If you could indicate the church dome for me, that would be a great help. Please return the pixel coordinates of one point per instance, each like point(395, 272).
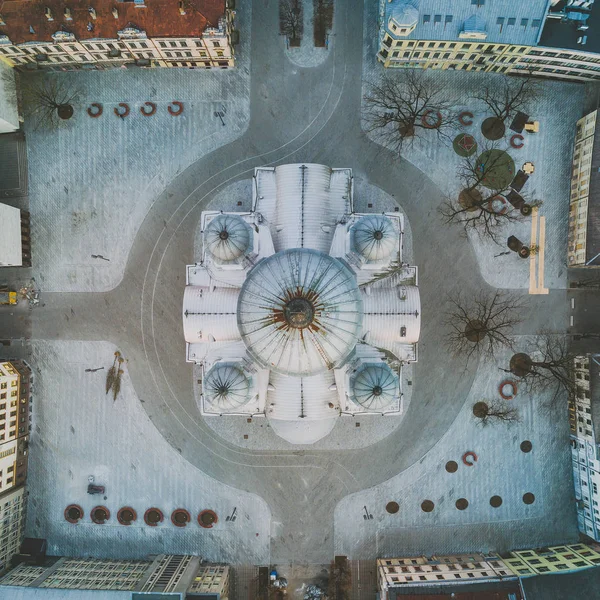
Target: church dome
point(227, 237)
point(226, 387)
point(374, 386)
point(300, 312)
point(374, 237)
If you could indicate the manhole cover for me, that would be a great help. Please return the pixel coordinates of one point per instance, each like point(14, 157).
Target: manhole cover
point(496, 501)
point(427, 506)
point(526, 446)
point(528, 498)
point(392, 507)
point(451, 466)
point(462, 503)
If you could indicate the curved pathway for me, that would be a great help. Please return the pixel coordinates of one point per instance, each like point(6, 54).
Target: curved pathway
point(310, 115)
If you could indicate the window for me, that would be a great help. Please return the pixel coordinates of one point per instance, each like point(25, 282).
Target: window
point(478, 2)
point(426, 18)
point(511, 20)
point(500, 21)
point(437, 18)
point(536, 22)
point(449, 18)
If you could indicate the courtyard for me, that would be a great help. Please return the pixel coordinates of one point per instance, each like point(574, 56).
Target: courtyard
point(133, 191)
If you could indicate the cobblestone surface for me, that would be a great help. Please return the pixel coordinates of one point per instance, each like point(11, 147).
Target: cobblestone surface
point(92, 181)
point(79, 431)
point(502, 469)
point(558, 109)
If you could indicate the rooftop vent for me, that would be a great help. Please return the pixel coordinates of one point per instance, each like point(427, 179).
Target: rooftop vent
point(48, 14)
point(115, 13)
point(92, 12)
point(68, 16)
point(181, 7)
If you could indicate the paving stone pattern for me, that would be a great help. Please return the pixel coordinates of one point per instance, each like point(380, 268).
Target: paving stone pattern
point(502, 469)
point(79, 431)
point(551, 150)
point(92, 181)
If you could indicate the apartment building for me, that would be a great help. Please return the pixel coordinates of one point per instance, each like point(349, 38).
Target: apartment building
point(584, 202)
point(13, 510)
point(182, 576)
point(57, 35)
point(548, 39)
point(422, 571)
point(555, 559)
point(584, 417)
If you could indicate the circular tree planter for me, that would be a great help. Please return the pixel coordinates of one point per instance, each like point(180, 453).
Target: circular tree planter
point(427, 506)
point(126, 515)
point(470, 199)
point(153, 516)
point(526, 209)
point(498, 205)
point(392, 507)
point(207, 518)
point(462, 503)
point(516, 141)
point(475, 331)
point(524, 252)
point(451, 466)
point(122, 110)
point(148, 109)
point(493, 128)
point(100, 514)
point(507, 389)
point(495, 501)
point(465, 118)
point(94, 110)
point(180, 517)
point(464, 145)
point(528, 498)
point(520, 364)
point(65, 111)
point(175, 108)
point(497, 169)
point(431, 119)
point(469, 458)
point(73, 513)
point(480, 410)
point(526, 446)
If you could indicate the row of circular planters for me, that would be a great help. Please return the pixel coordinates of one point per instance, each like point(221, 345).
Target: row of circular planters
point(153, 517)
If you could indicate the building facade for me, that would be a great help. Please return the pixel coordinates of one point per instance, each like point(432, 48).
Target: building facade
point(73, 35)
point(15, 248)
point(504, 36)
point(489, 574)
point(584, 201)
point(584, 418)
point(9, 114)
point(13, 510)
point(183, 576)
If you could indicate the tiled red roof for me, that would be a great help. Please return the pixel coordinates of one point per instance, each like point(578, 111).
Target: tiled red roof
point(160, 18)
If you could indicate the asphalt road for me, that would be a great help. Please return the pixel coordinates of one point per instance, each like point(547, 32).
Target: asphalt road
point(297, 115)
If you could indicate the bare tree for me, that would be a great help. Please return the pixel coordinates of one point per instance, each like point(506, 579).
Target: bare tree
point(404, 106)
point(506, 95)
point(322, 21)
point(478, 207)
point(494, 411)
point(550, 366)
point(48, 100)
point(481, 324)
point(290, 20)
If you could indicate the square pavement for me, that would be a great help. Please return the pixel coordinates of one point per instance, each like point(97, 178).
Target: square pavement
point(79, 431)
point(502, 469)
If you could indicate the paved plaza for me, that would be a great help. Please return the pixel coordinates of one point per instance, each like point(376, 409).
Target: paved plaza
point(133, 191)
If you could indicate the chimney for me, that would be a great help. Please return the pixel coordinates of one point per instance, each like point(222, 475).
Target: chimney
point(115, 13)
point(181, 8)
point(92, 12)
point(68, 16)
point(48, 14)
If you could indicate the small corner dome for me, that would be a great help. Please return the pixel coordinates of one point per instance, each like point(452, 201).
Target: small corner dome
point(374, 237)
point(404, 12)
point(227, 237)
point(226, 386)
point(374, 386)
point(474, 24)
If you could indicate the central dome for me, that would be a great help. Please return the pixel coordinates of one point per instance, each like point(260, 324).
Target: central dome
point(300, 312)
